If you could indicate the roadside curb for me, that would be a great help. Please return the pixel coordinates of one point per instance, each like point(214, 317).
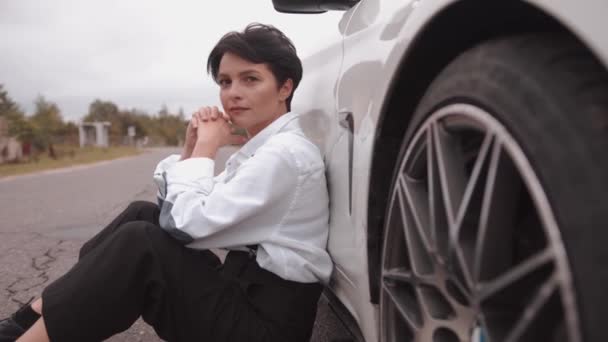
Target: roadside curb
point(67, 168)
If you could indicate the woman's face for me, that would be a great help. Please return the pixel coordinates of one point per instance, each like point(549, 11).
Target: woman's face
point(250, 94)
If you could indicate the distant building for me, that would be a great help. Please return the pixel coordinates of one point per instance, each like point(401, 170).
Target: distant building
point(10, 147)
point(95, 133)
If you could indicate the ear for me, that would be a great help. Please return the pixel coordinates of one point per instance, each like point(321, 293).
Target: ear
point(286, 89)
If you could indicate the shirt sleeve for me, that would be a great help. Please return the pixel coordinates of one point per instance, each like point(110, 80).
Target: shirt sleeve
point(235, 213)
point(159, 176)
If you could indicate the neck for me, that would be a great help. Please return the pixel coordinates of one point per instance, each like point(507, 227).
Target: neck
point(252, 131)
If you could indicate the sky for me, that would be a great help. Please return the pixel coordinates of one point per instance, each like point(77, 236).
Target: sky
point(136, 53)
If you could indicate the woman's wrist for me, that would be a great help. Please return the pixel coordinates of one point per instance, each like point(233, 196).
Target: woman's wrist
point(186, 152)
point(204, 149)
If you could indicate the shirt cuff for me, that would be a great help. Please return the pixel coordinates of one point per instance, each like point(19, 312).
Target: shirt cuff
point(166, 163)
point(192, 169)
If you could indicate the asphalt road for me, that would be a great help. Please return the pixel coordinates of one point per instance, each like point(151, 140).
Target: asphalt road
point(45, 217)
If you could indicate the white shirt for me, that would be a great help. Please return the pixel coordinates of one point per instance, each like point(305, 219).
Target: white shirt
point(272, 193)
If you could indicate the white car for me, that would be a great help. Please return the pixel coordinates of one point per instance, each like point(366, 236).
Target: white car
point(466, 145)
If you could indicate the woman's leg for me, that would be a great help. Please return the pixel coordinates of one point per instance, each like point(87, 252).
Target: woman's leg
point(26, 316)
point(105, 292)
point(37, 305)
point(142, 270)
point(137, 271)
point(37, 333)
point(135, 211)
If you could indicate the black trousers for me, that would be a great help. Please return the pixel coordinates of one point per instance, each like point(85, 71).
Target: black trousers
point(133, 268)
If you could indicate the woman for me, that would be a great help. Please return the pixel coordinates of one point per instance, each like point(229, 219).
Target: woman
point(269, 208)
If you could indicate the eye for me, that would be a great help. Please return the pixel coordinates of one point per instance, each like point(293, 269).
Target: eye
point(224, 82)
point(250, 79)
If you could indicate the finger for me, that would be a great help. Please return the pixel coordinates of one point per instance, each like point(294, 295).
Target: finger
point(226, 117)
point(214, 113)
point(205, 114)
point(194, 122)
point(200, 114)
point(208, 113)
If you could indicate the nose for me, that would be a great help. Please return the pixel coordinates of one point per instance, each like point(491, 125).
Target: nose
point(233, 92)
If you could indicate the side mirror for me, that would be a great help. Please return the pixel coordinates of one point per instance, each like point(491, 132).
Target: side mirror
point(312, 6)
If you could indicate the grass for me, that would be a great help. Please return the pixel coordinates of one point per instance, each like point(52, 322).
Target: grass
point(67, 156)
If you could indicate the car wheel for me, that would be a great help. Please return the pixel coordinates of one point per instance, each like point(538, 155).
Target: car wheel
point(496, 225)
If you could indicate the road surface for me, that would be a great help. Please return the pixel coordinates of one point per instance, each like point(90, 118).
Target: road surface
point(45, 217)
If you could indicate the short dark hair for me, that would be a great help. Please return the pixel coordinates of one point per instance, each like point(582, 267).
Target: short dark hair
point(264, 44)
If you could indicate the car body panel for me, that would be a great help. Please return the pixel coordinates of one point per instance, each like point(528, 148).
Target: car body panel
point(355, 75)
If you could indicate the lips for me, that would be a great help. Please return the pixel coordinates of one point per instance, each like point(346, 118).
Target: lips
point(237, 109)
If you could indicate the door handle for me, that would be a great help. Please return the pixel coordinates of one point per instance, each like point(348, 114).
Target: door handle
point(346, 121)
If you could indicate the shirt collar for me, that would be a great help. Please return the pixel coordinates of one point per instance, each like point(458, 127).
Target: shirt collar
point(259, 139)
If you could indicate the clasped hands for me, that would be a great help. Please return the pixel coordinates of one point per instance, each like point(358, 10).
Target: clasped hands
point(208, 130)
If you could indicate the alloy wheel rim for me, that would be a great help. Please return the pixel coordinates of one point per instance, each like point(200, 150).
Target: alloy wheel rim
point(473, 251)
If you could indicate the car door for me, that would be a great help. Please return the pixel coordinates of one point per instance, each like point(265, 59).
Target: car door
point(368, 40)
point(365, 50)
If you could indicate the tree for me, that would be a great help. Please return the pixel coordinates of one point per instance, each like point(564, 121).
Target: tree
point(6, 103)
point(108, 111)
point(47, 123)
point(171, 127)
point(164, 127)
point(164, 111)
point(142, 121)
point(47, 116)
point(18, 125)
point(102, 111)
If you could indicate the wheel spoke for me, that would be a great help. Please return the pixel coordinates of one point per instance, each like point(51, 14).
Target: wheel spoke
point(396, 254)
point(406, 304)
point(474, 178)
point(462, 264)
point(434, 304)
point(417, 251)
point(439, 225)
point(417, 205)
point(532, 309)
point(494, 238)
point(451, 171)
point(467, 220)
point(452, 181)
point(531, 264)
point(399, 275)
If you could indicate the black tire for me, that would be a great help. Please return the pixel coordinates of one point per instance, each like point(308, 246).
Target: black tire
point(551, 94)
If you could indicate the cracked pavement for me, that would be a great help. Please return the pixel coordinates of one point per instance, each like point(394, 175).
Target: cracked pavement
point(46, 217)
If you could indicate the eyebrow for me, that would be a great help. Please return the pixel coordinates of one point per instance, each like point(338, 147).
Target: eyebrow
point(248, 71)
